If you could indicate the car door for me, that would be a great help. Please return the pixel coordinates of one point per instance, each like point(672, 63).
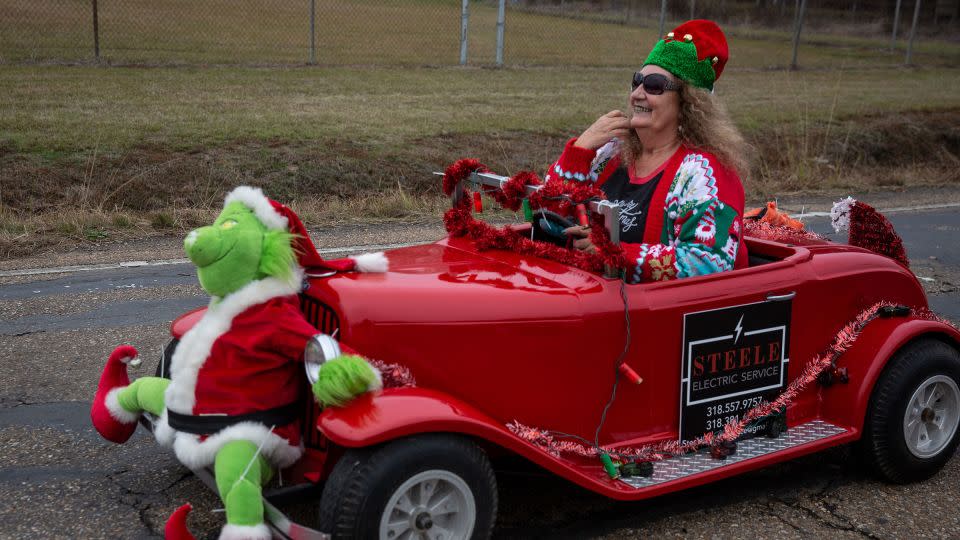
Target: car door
point(708, 349)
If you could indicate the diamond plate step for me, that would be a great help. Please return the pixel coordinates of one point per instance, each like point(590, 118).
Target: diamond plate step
point(699, 462)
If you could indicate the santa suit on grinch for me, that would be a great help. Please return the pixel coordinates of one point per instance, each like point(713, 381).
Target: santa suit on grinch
point(239, 361)
point(233, 398)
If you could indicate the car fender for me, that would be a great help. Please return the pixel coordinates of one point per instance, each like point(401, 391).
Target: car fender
point(185, 322)
point(395, 413)
point(846, 404)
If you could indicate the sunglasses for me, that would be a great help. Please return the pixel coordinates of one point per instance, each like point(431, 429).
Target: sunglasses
point(654, 84)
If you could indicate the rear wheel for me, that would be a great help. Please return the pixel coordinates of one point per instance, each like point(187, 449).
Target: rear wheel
point(438, 487)
point(911, 427)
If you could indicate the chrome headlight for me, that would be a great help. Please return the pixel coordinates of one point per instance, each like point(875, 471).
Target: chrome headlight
point(319, 349)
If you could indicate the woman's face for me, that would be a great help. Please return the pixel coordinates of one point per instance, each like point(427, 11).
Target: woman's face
point(655, 114)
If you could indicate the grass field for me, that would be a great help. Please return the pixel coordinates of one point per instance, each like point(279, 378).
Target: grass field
point(383, 32)
point(89, 152)
point(55, 111)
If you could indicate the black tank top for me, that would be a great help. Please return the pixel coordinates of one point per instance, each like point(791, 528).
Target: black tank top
point(634, 201)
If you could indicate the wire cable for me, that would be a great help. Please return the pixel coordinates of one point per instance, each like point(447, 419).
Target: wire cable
point(620, 359)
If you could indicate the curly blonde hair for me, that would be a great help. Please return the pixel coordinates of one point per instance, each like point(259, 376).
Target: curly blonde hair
point(704, 124)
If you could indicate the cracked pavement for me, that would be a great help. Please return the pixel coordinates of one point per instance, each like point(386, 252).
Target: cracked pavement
point(59, 479)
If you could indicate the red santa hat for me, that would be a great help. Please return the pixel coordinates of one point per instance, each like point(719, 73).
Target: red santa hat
point(277, 216)
point(869, 229)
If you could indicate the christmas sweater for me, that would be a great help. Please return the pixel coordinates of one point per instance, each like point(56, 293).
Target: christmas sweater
point(245, 355)
point(694, 222)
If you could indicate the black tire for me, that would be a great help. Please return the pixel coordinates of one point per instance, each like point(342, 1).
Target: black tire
point(362, 482)
point(884, 445)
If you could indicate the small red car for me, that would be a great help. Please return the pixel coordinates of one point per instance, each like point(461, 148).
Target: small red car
point(498, 340)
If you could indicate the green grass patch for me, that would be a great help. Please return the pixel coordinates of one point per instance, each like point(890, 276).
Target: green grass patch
point(383, 32)
point(92, 111)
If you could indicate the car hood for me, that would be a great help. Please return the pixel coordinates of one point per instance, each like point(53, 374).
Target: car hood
point(450, 282)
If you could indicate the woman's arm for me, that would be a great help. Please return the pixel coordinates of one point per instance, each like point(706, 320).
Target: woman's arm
point(579, 164)
point(586, 157)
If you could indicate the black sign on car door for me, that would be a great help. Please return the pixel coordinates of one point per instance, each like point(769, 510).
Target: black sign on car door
point(734, 358)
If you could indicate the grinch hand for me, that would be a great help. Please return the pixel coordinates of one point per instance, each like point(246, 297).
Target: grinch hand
point(233, 401)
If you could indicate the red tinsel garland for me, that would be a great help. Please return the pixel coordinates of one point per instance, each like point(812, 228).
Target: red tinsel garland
point(459, 171)
point(511, 195)
point(844, 339)
point(778, 233)
point(394, 375)
point(555, 195)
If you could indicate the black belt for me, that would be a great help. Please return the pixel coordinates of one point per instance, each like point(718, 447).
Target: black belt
point(205, 425)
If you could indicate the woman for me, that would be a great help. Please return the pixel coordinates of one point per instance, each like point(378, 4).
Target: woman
point(671, 164)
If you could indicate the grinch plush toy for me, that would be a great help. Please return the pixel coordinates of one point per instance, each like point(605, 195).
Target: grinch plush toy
point(232, 401)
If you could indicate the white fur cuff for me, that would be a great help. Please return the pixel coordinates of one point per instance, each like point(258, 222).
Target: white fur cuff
point(163, 432)
point(245, 532)
point(371, 262)
point(116, 410)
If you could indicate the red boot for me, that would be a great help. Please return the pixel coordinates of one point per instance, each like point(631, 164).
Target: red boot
point(176, 528)
point(109, 418)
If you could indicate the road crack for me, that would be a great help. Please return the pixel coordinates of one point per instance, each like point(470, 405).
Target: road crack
point(842, 522)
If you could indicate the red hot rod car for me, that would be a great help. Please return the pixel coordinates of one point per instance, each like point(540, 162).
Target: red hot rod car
point(520, 354)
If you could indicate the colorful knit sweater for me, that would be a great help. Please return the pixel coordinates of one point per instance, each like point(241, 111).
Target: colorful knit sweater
point(699, 230)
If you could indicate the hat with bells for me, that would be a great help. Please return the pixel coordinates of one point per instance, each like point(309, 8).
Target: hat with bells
point(696, 52)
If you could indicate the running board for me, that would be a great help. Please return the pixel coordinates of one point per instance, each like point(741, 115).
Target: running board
point(688, 465)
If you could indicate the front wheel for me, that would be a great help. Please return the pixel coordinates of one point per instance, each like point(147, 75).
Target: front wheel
point(438, 487)
point(911, 427)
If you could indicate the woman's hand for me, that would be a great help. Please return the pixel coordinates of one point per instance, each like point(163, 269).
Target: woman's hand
point(611, 125)
point(582, 238)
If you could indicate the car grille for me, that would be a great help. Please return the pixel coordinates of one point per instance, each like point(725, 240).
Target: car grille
point(320, 315)
point(325, 319)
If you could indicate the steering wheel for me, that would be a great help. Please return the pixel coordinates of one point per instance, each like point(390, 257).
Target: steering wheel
point(548, 226)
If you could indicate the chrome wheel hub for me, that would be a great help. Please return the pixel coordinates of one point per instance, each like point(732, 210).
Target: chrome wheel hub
point(432, 505)
point(932, 415)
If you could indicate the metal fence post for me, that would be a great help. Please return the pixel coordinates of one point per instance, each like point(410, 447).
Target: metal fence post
point(96, 33)
point(913, 32)
point(464, 19)
point(798, 25)
point(501, 15)
point(313, 31)
point(663, 16)
point(896, 23)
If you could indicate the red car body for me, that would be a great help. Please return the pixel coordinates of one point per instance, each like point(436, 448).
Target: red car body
point(495, 337)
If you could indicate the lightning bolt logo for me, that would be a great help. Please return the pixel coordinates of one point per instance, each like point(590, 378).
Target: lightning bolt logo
point(739, 329)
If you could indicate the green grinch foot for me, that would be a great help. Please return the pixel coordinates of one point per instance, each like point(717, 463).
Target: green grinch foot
point(240, 471)
point(144, 394)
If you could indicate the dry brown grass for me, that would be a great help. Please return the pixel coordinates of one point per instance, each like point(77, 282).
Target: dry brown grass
point(149, 191)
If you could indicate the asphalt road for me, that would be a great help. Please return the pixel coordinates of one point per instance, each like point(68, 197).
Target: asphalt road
point(58, 478)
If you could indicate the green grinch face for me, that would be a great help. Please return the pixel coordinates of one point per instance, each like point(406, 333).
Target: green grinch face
point(227, 253)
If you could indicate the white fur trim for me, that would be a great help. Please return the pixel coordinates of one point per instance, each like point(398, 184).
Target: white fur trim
point(255, 200)
point(378, 383)
point(245, 532)
point(195, 346)
point(840, 214)
point(163, 432)
point(371, 262)
point(116, 410)
point(196, 454)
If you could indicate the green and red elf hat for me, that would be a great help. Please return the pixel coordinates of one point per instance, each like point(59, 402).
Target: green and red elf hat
point(696, 52)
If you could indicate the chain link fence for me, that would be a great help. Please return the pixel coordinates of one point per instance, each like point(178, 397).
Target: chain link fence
point(450, 32)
